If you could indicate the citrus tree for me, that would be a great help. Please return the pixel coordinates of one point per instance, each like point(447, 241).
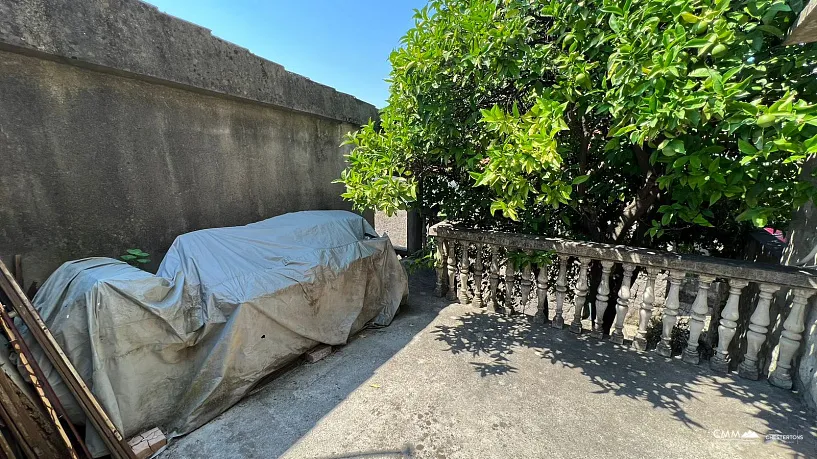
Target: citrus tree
point(639, 121)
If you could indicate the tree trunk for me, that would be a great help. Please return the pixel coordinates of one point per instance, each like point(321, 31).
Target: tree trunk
point(641, 204)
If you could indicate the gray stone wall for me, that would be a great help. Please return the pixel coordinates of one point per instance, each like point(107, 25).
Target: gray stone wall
point(802, 239)
point(122, 127)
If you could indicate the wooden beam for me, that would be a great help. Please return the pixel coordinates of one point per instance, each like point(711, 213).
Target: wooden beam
point(100, 421)
point(40, 383)
point(5, 448)
point(30, 428)
point(32, 290)
point(18, 269)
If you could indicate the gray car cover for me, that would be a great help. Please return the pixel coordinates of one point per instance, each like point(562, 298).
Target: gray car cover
point(227, 307)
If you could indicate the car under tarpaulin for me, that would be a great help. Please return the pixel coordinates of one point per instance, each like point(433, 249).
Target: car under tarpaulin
point(227, 307)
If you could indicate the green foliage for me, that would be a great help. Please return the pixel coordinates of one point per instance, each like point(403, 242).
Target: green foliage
point(135, 257)
point(628, 121)
point(422, 260)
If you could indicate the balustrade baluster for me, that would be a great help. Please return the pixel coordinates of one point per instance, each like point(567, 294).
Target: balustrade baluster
point(645, 312)
point(696, 321)
point(525, 285)
point(478, 301)
point(464, 262)
point(790, 339)
point(728, 325)
point(602, 297)
point(623, 303)
point(450, 248)
point(493, 278)
point(561, 291)
point(541, 316)
point(671, 306)
point(509, 280)
point(581, 295)
point(758, 328)
point(439, 264)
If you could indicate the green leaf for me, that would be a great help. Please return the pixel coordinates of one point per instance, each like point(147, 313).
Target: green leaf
point(690, 18)
point(497, 206)
point(128, 257)
point(701, 72)
point(674, 147)
point(772, 30)
point(746, 148)
point(611, 145)
point(581, 179)
point(612, 9)
point(811, 145)
point(699, 219)
point(698, 43)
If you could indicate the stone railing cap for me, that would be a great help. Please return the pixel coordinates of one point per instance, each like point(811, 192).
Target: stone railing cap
point(788, 276)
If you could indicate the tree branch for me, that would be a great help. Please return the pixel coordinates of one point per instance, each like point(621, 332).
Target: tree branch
point(636, 209)
point(643, 159)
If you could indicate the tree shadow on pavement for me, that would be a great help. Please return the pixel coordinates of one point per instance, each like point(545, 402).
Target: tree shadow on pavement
point(614, 369)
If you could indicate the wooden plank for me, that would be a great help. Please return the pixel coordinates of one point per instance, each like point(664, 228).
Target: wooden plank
point(18, 269)
point(32, 290)
point(5, 448)
point(29, 427)
point(39, 383)
point(107, 431)
point(13, 425)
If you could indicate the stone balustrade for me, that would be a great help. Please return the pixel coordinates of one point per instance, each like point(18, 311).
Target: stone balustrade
point(481, 251)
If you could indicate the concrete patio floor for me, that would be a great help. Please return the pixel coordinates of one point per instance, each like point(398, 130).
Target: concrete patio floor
point(446, 380)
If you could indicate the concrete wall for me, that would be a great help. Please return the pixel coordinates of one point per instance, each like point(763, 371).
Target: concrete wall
point(123, 127)
point(802, 239)
point(804, 29)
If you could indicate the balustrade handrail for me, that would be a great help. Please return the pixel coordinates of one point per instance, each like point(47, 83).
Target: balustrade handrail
point(738, 274)
point(788, 276)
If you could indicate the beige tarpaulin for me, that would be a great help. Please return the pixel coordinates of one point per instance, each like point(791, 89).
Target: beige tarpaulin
point(227, 307)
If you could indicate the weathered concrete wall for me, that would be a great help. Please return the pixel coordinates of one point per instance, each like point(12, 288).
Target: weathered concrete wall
point(133, 38)
point(802, 239)
point(123, 127)
point(804, 29)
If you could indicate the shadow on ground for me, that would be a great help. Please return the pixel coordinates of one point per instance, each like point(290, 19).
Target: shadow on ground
point(449, 380)
point(644, 376)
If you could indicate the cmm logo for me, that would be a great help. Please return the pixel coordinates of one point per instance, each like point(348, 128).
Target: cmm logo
point(722, 434)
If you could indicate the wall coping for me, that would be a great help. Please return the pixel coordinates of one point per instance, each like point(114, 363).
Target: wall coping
point(134, 39)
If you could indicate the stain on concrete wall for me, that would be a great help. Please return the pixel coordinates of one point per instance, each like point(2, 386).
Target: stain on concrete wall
point(121, 127)
point(93, 163)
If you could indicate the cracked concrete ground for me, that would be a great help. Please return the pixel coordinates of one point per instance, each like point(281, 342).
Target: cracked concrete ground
point(446, 380)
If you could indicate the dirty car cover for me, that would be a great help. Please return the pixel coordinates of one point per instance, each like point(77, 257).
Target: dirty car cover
point(227, 307)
